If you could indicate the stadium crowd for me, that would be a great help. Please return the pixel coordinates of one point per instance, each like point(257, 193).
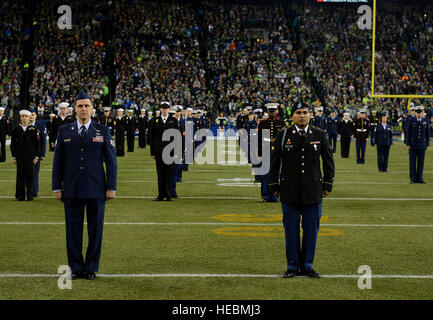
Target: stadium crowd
point(253, 55)
point(10, 55)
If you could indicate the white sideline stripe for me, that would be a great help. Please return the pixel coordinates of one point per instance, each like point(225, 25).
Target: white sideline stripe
point(211, 275)
point(231, 182)
point(237, 170)
point(229, 224)
point(249, 198)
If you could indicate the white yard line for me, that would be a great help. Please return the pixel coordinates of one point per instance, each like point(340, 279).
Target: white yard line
point(248, 198)
point(239, 170)
point(212, 275)
point(226, 224)
point(243, 180)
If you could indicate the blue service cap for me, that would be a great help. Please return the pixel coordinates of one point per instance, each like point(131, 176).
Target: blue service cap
point(83, 95)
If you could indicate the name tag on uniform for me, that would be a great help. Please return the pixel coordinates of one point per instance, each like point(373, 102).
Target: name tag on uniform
point(98, 139)
point(315, 142)
point(66, 140)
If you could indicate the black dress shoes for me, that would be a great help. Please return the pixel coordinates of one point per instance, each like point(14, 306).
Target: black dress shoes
point(78, 275)
point(311, 273)
point(91, 276)
point(169, 199)
point(289, 274)
point(158, 199)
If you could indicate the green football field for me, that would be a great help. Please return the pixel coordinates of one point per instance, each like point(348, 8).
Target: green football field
point(219, 241)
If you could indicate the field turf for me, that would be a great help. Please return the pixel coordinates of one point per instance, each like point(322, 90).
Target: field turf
point(218, 241)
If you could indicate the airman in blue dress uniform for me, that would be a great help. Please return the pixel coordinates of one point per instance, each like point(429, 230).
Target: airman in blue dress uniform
point(382, 139)
point(417, 139)
point(80, 181)
point(332, 130)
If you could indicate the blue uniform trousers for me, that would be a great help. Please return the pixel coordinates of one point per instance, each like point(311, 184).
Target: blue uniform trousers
point(360, 151)
point(301, 257)
point(416, 164)
point(382, 157)
point(333, 142)
point(176, 177)
point(74, 217)
point(37, 169)
point(266, 194)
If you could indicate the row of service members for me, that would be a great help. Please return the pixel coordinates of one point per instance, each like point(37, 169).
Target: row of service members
point(376, 127)
point(169, 118)
point(122, 125)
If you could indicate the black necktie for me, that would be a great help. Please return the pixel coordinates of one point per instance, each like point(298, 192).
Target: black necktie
point(83, 132)
point(302, 134)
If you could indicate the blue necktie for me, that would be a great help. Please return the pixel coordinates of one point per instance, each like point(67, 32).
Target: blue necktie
point(83, 132)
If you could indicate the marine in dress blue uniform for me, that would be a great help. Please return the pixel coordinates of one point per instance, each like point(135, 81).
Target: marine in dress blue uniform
point(295, 176)
point(80, 181)
point(374, 120)
point(382, 139)
point(274, 126)
point(417, 140)
point(361, 128)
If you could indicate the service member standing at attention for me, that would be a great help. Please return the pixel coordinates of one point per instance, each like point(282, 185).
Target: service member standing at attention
point(42, 132)
point(4, 132)
point(320, 120)
point(107, 120)
point(361, 132)
point(163, 170)
point(345, 131)
point(417, 141)
point(80, 181)
point(149, 121)
point(374, 120)
point(383, 142)
point(141, 124)
point(131, 127)
point(59, 120)
point(333, 130)
point(274, 126)
point(25, 154)
point(301, 188)
point(119, 132)
point(49, 129)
